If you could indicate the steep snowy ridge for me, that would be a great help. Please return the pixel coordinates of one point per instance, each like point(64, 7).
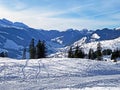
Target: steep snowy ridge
point(80, 42)
point(59, 74)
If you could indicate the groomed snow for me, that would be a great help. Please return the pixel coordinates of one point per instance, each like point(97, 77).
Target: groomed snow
point(59, 74)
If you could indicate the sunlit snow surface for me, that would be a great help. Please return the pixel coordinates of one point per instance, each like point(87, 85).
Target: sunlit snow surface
point(59, 74)
point(107, 44)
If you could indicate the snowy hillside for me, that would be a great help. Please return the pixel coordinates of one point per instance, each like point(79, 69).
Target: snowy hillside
point(107, 44)
point(59, 74)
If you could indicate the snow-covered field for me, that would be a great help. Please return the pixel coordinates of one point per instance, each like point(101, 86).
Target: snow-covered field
point(59, 74)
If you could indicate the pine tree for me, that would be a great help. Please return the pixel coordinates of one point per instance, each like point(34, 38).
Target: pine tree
point(24, 53)
point(119, 54)
point(115, 55)
point(99, 51)
point(6, 54)
point(40, 49)
point(3, 54)
point(43, 49)
point(94, 55)
point(107, 52)
point(81, 54)
point(76, 55)
point(70, 53)
point(91, 54)
point(32, 50)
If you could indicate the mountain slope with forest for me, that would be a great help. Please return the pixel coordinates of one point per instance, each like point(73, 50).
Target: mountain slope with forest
point(15, 36)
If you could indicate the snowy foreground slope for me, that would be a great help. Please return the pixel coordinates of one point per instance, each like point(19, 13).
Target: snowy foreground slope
point(59, 74)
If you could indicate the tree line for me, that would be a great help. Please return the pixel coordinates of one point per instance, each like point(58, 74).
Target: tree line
point(3, 54)
point(37, 51)
point(98, 54)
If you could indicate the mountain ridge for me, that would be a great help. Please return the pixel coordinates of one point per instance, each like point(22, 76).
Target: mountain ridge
point(19, 34)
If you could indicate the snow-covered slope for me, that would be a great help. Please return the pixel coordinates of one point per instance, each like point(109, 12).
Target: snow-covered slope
point(107, 44)
point(56, 73)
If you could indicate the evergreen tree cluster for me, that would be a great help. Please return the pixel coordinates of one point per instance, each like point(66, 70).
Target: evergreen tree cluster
point(38, 51)
point(98, 54)
point(99, 51)
point(107, 52)
point(92, 55)
point(115, 55)
point(78, 53)
point(3, 54)
point(95, 55)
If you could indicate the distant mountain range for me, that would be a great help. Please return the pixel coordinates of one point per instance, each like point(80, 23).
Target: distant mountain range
point(14, 36)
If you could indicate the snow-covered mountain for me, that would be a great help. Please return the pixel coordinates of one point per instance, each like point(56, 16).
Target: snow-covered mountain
point(14, 36)
point(113, 44)
point(6, 23)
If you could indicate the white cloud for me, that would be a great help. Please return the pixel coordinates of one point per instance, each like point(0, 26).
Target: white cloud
point(44, 18)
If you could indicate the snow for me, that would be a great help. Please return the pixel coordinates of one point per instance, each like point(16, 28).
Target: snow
point(20, 38)
point(117, 28)
point(3, 50)
point(95, 36)
point(80, 42)
point(11, 45)
point(2, 37)
point(59, 74)
point(58, 40)
point(94, 88)
point(107, 44)
point(2, 32)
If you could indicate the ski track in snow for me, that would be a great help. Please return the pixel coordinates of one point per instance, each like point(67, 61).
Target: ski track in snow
point(59, 73)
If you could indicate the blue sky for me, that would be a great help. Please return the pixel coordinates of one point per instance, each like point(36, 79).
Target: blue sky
point(63, 14)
